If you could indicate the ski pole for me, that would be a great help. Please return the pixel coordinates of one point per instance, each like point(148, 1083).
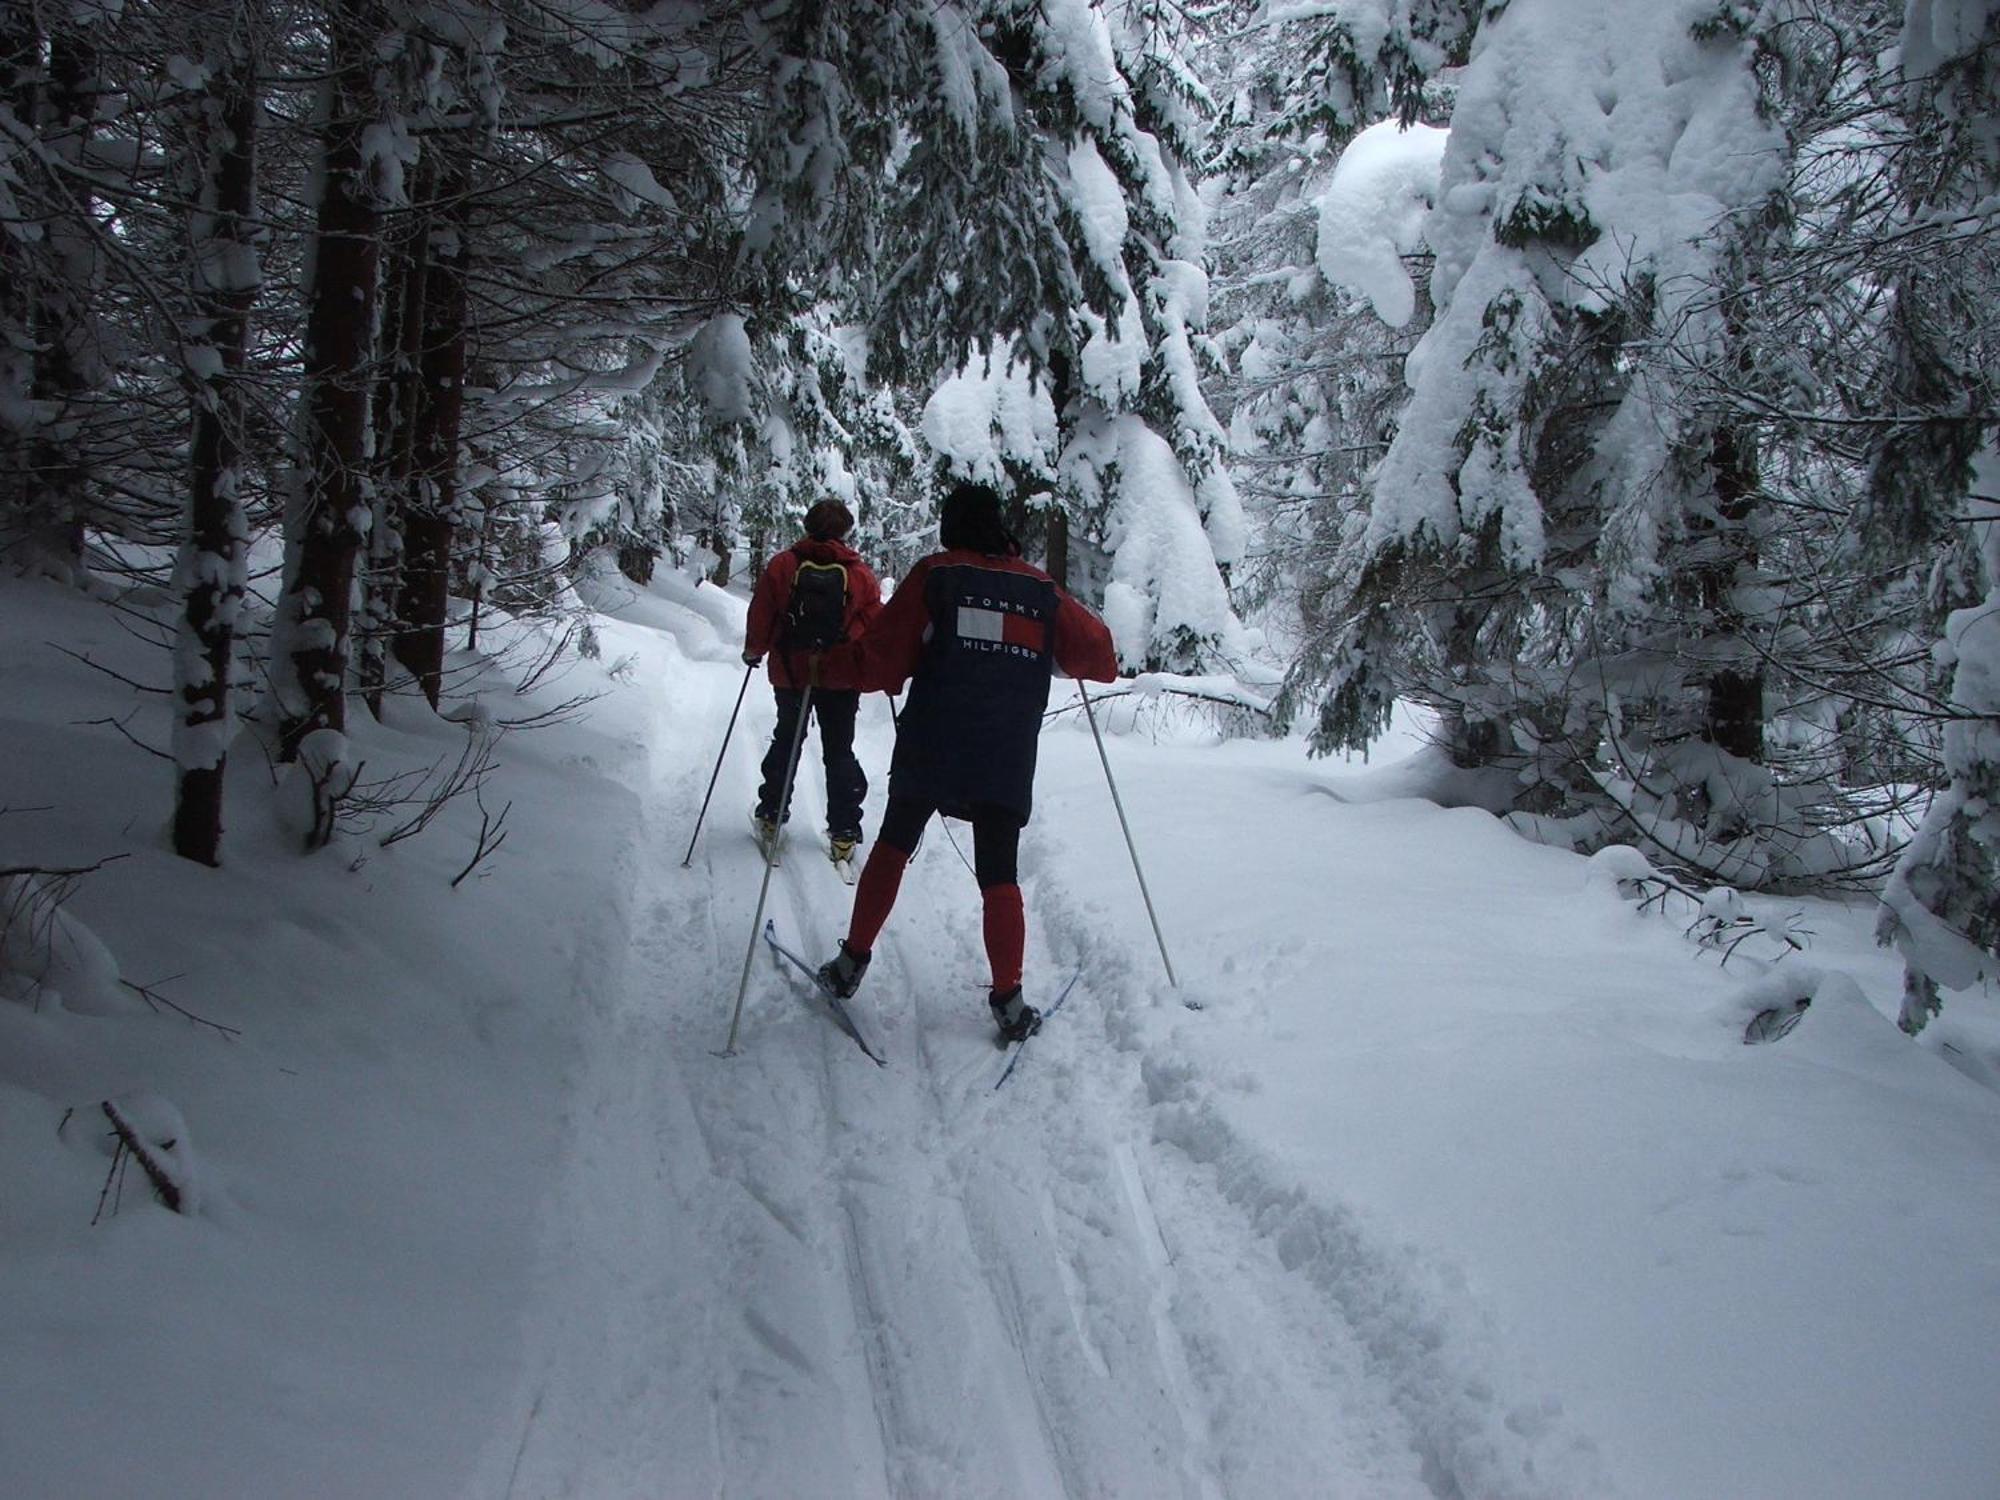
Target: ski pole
point(764, 889)
point(747, 670)
point(1111, 782)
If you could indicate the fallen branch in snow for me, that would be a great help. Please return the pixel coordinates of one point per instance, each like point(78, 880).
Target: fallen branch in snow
point(475, 764)
point(31, 901)
point(59, 872)
point(484, 845)
point(128, 1141)
point(1722, 922)
point(133, 683)
point(155, 999)
point(550, 658)
point(1162, 689)
point(564, 712)
point(119, 725)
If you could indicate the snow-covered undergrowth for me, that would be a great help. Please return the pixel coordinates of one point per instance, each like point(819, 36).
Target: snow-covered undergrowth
point(1443, 1171)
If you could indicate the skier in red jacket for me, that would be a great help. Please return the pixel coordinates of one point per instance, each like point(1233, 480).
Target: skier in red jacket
point(980, 632)
point(815, 594)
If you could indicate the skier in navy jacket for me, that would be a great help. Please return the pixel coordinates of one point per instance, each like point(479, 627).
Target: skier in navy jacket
point(977, 633)
point(835, 697)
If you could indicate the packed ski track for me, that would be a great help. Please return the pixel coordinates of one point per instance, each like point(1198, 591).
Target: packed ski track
point(790, 1272)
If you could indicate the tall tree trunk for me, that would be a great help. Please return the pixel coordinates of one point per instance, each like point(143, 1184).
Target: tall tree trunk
point(20, 67)
point(1056, 552)
point(400, 398)
point(332, 508)
point(1062, 389)
point(1735, 713)
point(50, 528)
point(434, 513)
point(212, 571)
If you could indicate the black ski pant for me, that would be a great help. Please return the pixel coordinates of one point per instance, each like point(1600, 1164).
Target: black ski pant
point(846, 785)
point(996, 836)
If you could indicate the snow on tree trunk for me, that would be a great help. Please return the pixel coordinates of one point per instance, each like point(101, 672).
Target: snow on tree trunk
point(212, 572)
point(330, 515)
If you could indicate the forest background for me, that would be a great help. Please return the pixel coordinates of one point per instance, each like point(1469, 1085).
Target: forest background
point(1612, 380)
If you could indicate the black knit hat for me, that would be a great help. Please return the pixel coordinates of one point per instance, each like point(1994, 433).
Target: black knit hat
point(971, 519)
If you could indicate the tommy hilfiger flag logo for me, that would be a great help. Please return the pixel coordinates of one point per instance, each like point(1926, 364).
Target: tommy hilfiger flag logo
point(983, 629)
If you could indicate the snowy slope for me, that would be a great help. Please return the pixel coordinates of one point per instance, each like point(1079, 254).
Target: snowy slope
point(1460, 1181)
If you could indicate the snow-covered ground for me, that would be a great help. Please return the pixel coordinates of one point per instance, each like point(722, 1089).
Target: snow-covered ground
point(1444, 1171)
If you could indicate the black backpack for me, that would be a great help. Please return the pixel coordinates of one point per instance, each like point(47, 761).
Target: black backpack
point(816, 618)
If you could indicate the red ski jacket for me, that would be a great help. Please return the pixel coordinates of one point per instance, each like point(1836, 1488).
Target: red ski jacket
point(773, 595)
point(980, 635)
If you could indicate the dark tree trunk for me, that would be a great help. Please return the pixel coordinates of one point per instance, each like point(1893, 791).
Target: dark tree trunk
point(399, 394)
point(1062, 390)
point(1735, 712)
point(52, 533)
point(339, 343)
point(432, 523)
point(716, 540)
point(1056, 553)
point(212, 561)
point(20, 65)
point(636, 560)
point(1471, 742)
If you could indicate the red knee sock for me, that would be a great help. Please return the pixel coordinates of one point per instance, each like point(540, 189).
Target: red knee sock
point(874, 895)
point(1006, 927)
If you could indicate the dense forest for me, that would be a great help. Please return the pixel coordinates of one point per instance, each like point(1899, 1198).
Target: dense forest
point(1611, 378)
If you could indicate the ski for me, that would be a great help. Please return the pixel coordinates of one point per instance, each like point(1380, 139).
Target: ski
point(773, 848)
point(844, 868)
point(838, 1011)
point(1021, 1046)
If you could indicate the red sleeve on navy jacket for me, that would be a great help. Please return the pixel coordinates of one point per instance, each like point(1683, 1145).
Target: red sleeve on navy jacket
point(1083, 643)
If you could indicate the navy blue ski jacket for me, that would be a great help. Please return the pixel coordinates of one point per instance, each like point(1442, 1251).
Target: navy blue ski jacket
point(978, 638)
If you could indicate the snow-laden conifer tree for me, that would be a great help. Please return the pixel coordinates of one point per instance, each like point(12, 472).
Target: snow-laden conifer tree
point(1009, 181)
point(1562, 545)
point(1937, 471)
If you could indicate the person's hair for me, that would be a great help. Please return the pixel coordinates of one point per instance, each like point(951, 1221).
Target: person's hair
point(971, 519)
point(829, 521)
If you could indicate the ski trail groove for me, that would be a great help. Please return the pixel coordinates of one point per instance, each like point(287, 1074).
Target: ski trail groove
point(1008, 1308)
point(1173, 1353)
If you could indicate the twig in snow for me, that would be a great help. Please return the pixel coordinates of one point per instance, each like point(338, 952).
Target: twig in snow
point(119, 725)
point(155, 999)
point(162, 1180)
point(482, 847)
point(132, 683)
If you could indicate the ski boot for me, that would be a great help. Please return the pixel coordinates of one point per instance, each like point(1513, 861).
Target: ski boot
point(768, 831)
point(1016, 1019)
point(840, 976)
